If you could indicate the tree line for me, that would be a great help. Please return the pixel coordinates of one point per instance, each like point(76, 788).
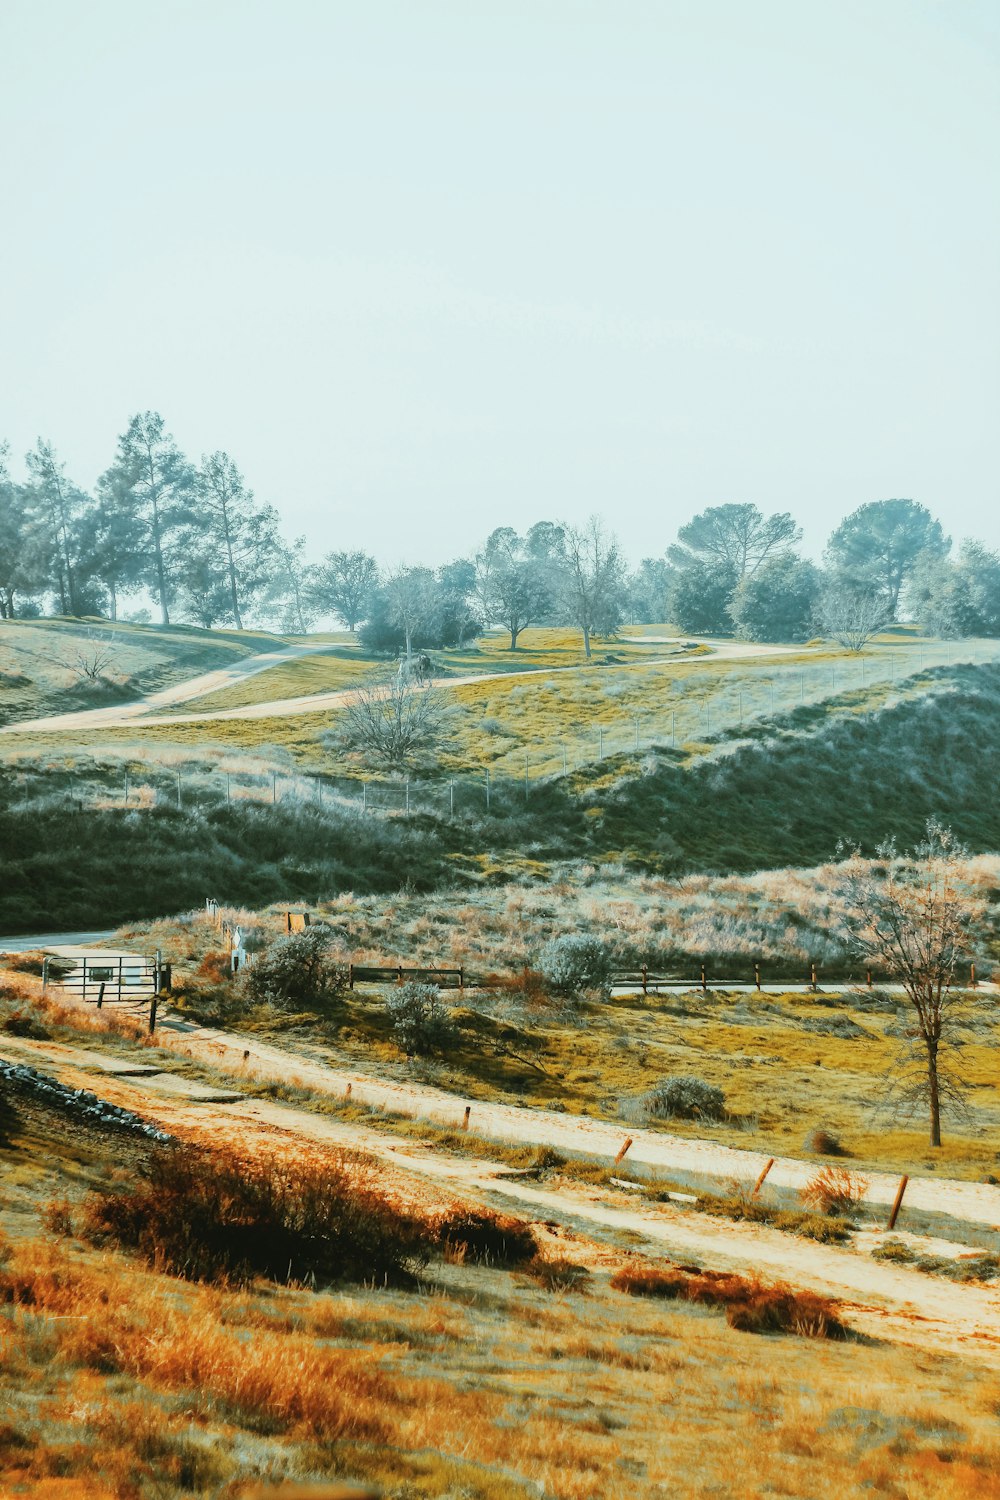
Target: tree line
point(194, 538)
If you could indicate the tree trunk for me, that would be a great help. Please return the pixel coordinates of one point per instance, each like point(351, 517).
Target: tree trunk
point(113, 592)
point(234, 595)
point(933, 1093)
point(514, 633)
point(586, 641)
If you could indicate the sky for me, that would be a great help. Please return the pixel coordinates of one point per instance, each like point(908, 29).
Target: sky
point(424, 269)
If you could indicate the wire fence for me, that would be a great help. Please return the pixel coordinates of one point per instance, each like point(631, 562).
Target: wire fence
point(702, 707)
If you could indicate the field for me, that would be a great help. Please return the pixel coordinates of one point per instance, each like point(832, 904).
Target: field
point(684, 808)
point(477, 1380)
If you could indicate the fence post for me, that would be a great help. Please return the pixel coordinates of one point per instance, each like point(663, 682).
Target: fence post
point(126, 789)
point(756, 975)
point(100, 996)
point(487, 789)
point(451, 799)
point(644, 979)
point(465, 1118)
point(274, 787)
point(704, 981)
point(84, 981)
point(760, 1180)
point(152, 1014)
point(868, 978)
point(45, 975)
point(178, 790)
point(622, 1151)
point(461, 978)
point(350, 977)
point(364, 796)
point(973, 981)
point(897, 1202)
point(229, 795)
point(120, 963)
point(812, 976)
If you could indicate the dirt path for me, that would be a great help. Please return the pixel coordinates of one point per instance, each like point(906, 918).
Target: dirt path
point(180, 692)
point(879, 1299)
point(145, 713)
point(680, 1158)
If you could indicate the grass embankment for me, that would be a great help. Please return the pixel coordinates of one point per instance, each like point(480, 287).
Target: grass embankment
point(121, 1382)
point(820, 778)
point(44, 663)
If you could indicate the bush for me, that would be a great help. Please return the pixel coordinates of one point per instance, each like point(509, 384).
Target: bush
point(420, 1024)
point(298, 972)
point(749, 1305)
point(685, 1098)
point(577, 964)
point(485, 1237)
point(215, 1216)
point(822, 1143)
point(558, 1275)
point(834, 1190)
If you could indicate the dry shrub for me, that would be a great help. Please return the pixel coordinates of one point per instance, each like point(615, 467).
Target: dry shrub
point(824, 1143)
point(650, 1281)
point(215, 967)
point(217, 1216)
point(750, 1305)
point(272, 1383)
point(57, 1217)
point(485, 1237)
point(834, 1190)
point(558, 1274)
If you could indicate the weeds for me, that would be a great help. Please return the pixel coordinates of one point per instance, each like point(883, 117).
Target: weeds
point(749, 1305)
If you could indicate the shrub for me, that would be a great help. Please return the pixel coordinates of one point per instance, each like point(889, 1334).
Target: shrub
point(485, 1237)
point(822, 1143)
point(221, 1217)
point(834, 1190)
point(577, 964)
point(558, 1274)
point(685, 1098)
point(750, 1306)
point(19, 1023)
point(650, 1281)
point(297, 972)
point(420, 1023)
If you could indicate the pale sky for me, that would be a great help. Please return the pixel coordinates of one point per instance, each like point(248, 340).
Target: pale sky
point(426, 268)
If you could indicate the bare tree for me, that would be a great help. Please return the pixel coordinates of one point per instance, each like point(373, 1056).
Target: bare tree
point(911, 916)
point(393, 721)
point(411, 596)
point(852, 616)
point(592, 582)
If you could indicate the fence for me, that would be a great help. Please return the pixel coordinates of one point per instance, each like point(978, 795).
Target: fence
point(710, 701)
point(134, 981)
point(639, 979)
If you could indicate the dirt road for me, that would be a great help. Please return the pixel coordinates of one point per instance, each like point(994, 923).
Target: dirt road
point(879, 1299)
point(180, 692)
point(144, 712)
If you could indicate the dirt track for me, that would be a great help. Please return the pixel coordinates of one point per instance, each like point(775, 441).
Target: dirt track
point(880, 1299)
point(144, 712)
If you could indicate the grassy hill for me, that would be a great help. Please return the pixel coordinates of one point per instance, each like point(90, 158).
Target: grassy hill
point(786, 793)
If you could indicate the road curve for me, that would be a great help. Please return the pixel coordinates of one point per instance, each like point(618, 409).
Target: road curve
point(279, 708)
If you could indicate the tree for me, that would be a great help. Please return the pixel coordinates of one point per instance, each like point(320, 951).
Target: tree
point(851, 613)
point(22, 554)
point(112, 540)
point(701, 593)
point(777, 600)
point(911, 916)
point(592, 581)
point(736, 539)
point(241, 535)
point(454, 618)
point(301, 971)
point(159, 482)
point(57, 507)
point(649, 592)
point(957, 598)
point(420, 1024)
point(289, 591)
point(877, 546)
point(393, 722)
point(343, 585)
point(203, 590)
point(514, 577)
point(410, 597)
